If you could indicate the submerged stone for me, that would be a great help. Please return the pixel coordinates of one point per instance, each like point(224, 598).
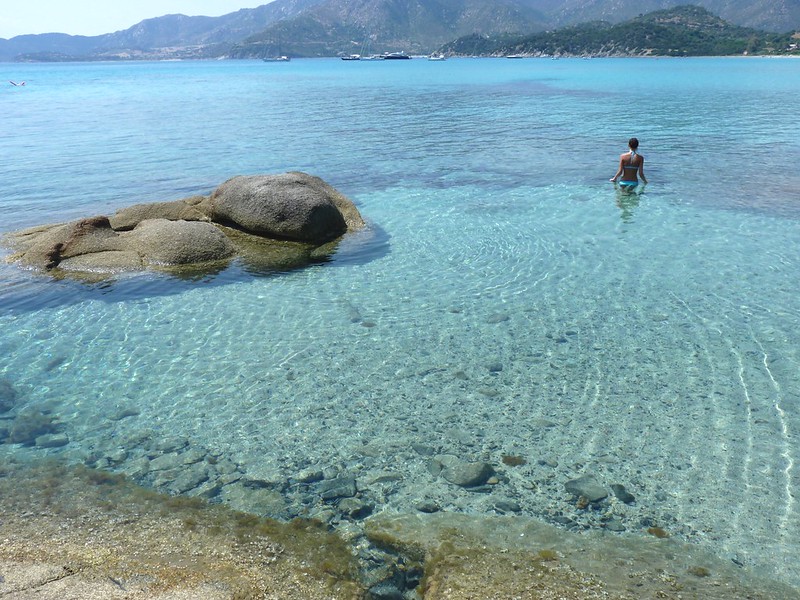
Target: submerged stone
point(622, 494)
point(8, 396)
point(29, 426)
point(264, 501)
point(507, 506)
point(427, 506)
point(385, 590)
point(52, 440)
point(355, 508)
point(189, 478)
point(341, 487)
point(587, 487)
point(464, 474)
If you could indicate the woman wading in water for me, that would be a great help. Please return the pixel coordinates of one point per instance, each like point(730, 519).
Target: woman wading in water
point(631, 167)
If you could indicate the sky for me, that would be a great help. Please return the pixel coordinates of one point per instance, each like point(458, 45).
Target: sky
point(95, 17)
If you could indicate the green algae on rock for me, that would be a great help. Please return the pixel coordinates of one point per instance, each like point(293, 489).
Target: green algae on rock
point(467, 556)
point(30, 425)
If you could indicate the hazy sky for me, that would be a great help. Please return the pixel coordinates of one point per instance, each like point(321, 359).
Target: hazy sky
point(93, 17)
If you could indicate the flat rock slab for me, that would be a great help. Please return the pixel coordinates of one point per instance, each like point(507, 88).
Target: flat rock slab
point(76, 534)
point(32, 581)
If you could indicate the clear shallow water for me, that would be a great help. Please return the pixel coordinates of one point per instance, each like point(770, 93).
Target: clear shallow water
point(505, 300)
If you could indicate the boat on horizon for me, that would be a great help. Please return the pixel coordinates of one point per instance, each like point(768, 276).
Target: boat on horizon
point(395, 56)
point(283, 58)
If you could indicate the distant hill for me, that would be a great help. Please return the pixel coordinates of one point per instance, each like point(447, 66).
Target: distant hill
point(780, 16)
point(170, 36)
point(330, 27)
point(374, 26)
point(680, 31)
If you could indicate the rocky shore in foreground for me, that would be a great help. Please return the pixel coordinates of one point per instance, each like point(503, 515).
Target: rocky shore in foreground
point(78, 533)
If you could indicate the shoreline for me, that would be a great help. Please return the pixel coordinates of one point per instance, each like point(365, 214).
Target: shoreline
point(419, 57)
point(74, 532)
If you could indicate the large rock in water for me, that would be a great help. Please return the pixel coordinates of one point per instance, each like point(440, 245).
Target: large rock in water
point(294, 206)
point(272, 222)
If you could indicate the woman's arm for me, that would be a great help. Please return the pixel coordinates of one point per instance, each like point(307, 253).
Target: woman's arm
point(619, 171)
point(641, 169)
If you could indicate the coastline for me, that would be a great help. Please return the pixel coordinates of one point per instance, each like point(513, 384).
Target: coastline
point(145, 60)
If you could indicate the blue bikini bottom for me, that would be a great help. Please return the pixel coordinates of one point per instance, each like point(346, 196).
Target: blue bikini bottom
point(629, 183)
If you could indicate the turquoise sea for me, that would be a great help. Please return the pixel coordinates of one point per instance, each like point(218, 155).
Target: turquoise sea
point(505, 301)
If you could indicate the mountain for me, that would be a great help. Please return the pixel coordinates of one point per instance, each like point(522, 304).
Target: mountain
point(330, 27)
point(170, 36)
point(778, 16)
point(172, 30)
point(415, 26)
point(680, 31)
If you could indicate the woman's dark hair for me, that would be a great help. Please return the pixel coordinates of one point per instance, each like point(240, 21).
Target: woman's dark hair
point(633, 143)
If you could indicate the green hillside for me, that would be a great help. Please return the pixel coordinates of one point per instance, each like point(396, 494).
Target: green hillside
point(680, 31)
point(307, 28)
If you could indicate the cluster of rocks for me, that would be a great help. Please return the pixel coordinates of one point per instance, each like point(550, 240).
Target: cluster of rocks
point(342, 496)
point(177, 466)
point(335, 495)
point(268, 221)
